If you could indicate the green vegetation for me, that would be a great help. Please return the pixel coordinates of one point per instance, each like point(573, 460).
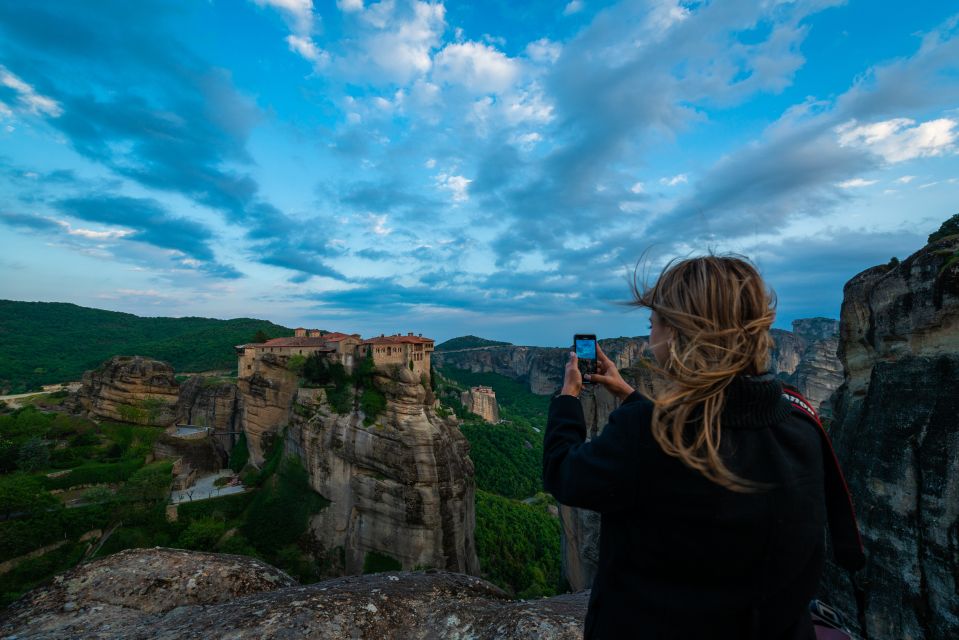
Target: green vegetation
point(376, 562)
point(240, 454)
point(129, 498)
point(372, 403)
point(949, 228)
point(468, 342)
point(46, 342)
point(518, 545)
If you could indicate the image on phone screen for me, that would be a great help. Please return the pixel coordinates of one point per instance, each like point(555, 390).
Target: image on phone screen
point(586, 349)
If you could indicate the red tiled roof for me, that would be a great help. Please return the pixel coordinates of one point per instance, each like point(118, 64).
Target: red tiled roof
point(397, 340)
point(337, 336)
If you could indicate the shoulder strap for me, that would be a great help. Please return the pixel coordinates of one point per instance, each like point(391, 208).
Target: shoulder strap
point(843, 528)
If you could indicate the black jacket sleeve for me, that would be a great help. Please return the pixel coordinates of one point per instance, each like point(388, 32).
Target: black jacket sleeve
point(600, 475)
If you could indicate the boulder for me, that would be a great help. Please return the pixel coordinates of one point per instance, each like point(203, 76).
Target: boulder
point(167, 594)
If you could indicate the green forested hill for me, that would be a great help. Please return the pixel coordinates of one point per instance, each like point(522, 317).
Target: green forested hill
point(47, 342)
point(468, 342)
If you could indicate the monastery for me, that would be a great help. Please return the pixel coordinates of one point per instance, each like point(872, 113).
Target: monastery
point(346, 348)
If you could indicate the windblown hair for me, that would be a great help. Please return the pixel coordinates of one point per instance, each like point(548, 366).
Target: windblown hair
point(720, 311)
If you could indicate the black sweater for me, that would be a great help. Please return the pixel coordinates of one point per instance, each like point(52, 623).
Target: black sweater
point(680, 556)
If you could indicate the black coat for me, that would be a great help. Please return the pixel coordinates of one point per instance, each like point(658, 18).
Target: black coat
point(680, 556)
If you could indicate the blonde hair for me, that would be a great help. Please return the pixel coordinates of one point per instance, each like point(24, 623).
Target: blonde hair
point(719, 311)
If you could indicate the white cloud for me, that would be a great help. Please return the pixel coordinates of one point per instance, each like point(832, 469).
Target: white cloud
point(479, 67)
point(429, 164)
point(574, 6)
point(28, 98)
point(901, 139)
point(543, 50)
point(401, 48)
point(90, 234)
point(457, 185)
point(298, 14)
point(681, 178)
point(904, 179)
point(526, 141)
point(855, 183)
point(378, 224)
point(308, 49)
point(637, 188)
point(349, 6)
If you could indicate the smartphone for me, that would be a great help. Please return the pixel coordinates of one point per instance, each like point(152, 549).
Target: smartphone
point(585, 346)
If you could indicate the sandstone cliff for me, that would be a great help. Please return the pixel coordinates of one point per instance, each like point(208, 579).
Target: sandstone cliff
point(129, 389)
point(166, 594)
point(266, 402)
point(806, 358)
point(482, 402)
point(896, 433)
point(210, 402)
point(402, 486)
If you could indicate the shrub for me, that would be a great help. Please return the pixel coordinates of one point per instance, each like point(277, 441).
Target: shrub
point(372, 402)
point(202, 534)
point(295, 364)
point(340, 399)
point(33, 455)
point(949, 227)
point(240, 454)
point(95, 473)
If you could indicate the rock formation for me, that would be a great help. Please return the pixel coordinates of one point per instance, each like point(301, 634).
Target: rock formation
point(210, 402)
point(482, 402)
point(266, 402)
point(896, 432)
point(129, 389)
point(806, 358)
point(402, 486)
point(166, 594)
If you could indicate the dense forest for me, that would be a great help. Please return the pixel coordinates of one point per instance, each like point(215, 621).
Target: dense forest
point(468, 342)
point(49, 342)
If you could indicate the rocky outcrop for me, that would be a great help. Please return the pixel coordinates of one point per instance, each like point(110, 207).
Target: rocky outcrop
point(210, 402)
point(482, 402)
point(200, 452)
point(806, 358)
point(266, 402)
point(167, 594)
point(896, 433)
point(400, 486)
point(128, 389)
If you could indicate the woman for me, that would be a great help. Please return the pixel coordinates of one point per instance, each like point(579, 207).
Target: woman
point(711, 493)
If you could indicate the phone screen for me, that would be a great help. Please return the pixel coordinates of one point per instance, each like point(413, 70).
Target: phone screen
point(586, 349)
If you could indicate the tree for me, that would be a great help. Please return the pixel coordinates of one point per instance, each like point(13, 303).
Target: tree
point(34, 455)
point(949, 228)
point(260, 336)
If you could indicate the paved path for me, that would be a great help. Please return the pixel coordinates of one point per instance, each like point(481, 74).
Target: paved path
point(204, 489)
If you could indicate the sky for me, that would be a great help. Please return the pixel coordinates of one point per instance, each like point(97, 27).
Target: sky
point(492, 168)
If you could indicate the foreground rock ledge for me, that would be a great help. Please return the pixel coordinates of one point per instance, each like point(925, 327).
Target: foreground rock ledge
point(170, 593)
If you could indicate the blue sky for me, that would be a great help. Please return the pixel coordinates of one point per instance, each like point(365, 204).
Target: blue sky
point(494, 168)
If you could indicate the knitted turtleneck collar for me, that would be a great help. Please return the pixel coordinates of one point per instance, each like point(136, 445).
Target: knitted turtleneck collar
point(754, 402)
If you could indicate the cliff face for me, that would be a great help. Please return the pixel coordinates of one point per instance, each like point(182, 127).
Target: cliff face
point(266, 402)
point(402, 486)
point(210, 402)
point(166, 594)
point(897, 435)
point(806, 358)
point(482, 402)
point(129, 389)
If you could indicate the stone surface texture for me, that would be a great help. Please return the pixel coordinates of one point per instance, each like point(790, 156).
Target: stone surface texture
point(402, 486)
point(210, 402)
point(896, 433)
point(482, 402)
point(128, 389)
point(172, 594)
point(266, 402)
point(806, 358)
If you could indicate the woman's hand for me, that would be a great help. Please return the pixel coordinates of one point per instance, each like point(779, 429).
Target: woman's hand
point(573, 381)
point(608, 376)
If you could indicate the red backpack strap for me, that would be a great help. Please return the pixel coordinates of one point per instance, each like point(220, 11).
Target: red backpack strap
point(843, 528)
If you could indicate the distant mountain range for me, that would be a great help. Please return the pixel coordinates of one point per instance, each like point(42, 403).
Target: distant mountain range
point(48, 342)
